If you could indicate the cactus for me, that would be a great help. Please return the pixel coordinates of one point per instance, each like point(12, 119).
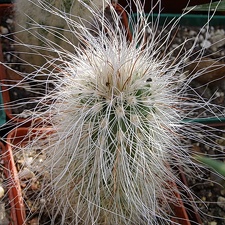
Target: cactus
point(38, 30)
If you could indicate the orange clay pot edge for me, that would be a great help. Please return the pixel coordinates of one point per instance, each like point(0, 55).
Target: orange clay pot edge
point(10, 194)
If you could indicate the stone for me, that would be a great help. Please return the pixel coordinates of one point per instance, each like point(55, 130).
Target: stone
point(2, 192)
point(209, 71)
point(26, 174)
point(3, 219)
point(206, 44)
point(221, 202)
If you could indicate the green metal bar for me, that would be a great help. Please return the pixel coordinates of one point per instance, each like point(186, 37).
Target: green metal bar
point(196, 20)
point(205, 120)
point(2, 111)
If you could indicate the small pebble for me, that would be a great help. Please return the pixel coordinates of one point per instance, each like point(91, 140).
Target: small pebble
point(218, 94)
point(3, 218)
point(221, 202)
point(9, 21)
point(42, 201)
point(213, 223)
point(206, 44)
point(15, 93)
point(175, 45)
point(207, 35)
point(218, 40)
point(192, 33)
point(34, 186)
point(203, 30)
point(212, 29)
point(222, 192)
point(201, 38)
point(2, 192)
point(209, 194)
point(203, 198)
point(3, 30)
point(8, 57)
point(26, 174)
point(34, 221)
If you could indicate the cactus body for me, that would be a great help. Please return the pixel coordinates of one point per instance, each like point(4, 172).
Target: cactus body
point(113, 110)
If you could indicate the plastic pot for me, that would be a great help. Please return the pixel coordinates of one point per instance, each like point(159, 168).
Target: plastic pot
point(2, 111)
point(13, 216)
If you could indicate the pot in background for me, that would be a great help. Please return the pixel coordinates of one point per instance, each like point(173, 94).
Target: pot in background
point(13, 216)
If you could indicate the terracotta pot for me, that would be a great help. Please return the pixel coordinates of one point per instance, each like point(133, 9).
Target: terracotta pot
point(124, 18)
point(14, 188)
point(4, 8)
point(16, 137)
point(13, 216)
point(193, 213)
point(180, 211)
